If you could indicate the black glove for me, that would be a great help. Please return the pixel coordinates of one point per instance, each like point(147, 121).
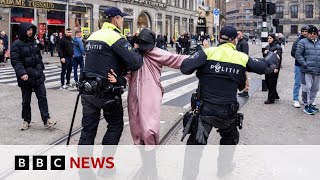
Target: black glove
point(202, 134)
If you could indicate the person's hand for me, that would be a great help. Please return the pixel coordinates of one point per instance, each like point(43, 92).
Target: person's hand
point(24, 77)
point(136, 45)
point(276, 71)
point(266, 51)
point(63, 60)
point(112, 76)
point(205, 44)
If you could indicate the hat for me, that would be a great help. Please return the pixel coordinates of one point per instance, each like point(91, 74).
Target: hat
point(146, 39)
point(114, 11)
point(228, 32)
point(313, 29)
point(305, 28)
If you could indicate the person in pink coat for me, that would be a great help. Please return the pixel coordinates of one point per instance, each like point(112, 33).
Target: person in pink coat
point(145, 91)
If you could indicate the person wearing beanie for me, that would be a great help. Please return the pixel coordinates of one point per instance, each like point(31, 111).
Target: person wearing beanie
point(308, 56)
point(297, 67)
point(272, 78)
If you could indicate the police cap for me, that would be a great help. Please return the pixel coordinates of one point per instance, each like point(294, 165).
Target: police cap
point(114, 11)
point(228, 33)
point(146, 39)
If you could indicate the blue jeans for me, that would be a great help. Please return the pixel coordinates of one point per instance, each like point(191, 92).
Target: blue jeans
point(77, 61)
point(297, 83)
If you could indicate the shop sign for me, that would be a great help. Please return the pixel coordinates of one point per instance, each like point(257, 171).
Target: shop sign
point(41, 5)
point(147, 3)
point(21, 19)
point(201, 22)
point(55, 21)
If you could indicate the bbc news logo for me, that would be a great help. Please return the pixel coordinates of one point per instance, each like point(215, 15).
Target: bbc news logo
point(59, 162)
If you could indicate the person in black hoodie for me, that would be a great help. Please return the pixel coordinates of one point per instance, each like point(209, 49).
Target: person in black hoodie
point(66, 55)
point(243, 46)
point(272, 79)
point(27, 62)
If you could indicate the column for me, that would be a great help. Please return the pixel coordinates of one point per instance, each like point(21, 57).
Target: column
point(95, 17)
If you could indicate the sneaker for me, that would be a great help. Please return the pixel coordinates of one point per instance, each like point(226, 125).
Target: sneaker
point(308, 110)
point(63, 87)
point(69, 85)
point(50, 123)
point(314, 108)
point(243, 94)
point(296, 104)
point(25, 126)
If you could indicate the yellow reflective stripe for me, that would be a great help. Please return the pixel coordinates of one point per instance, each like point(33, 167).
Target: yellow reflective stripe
point(226, 54)
point(106, 34)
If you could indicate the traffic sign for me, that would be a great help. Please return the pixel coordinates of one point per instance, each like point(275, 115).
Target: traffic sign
point(216, 16)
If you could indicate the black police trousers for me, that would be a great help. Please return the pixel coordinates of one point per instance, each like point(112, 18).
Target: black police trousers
point(42, 102)
point(112, 113)
point(229, 135)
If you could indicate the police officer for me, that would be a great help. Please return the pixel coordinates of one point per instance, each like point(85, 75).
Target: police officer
point(221, 71)
point(106, 49)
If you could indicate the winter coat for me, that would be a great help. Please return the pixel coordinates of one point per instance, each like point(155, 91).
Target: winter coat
point(276, 48)
point(243, 46)
point(294, 49)
point(308, 55)
point(26, 57)
point(78, 47)
point(65, 47)
point(144, 112)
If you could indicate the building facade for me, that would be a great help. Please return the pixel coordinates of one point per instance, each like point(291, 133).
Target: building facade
point(205, 24)
point(294, 14)
point(171, 17)
point(240, 15)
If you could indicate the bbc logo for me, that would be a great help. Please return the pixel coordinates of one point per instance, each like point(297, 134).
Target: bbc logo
point(40, 162)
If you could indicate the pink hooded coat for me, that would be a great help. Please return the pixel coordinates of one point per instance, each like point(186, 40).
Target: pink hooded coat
point(145, 95)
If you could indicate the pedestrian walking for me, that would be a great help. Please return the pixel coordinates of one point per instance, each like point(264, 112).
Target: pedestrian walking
point(297, 67)
point(308, 55)
point(27, 62)
point(243, 46)
point(78, 55)
point(66, 55)
point(272, 78)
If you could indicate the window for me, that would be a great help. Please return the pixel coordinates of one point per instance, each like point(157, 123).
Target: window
point(184, 4)
point(279, 29)
point(309, 11)
point(176, 3)
point(191, 4)
point(279, 11)
point(294, 29)
point(294, 11)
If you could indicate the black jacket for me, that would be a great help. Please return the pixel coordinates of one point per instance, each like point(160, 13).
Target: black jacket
point(276, 48)
point(26, 57)
point(65, 47)
point(294, 49)
point(243, 46)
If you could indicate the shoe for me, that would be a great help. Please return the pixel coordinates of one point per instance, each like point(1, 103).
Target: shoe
point(314, 104)
point(243, 94)
point(314, 108)
point(269, 102)
point(69, 85)
point(63, 87)
point(25, 125)
point(296, 104)
point(50, 123)
point(308, 110)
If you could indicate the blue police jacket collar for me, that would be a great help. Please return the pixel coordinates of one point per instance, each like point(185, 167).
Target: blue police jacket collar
point(107, 25)
point(227, 44)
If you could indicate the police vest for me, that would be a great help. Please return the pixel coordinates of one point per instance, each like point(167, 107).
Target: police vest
point(223, 74)
point(100, 57)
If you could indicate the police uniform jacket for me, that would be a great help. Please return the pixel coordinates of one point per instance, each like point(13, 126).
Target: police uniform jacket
point(107, 49)
point(221, 71)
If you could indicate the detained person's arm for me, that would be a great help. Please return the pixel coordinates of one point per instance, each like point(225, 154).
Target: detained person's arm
point(131, 57)
point(193, 62)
